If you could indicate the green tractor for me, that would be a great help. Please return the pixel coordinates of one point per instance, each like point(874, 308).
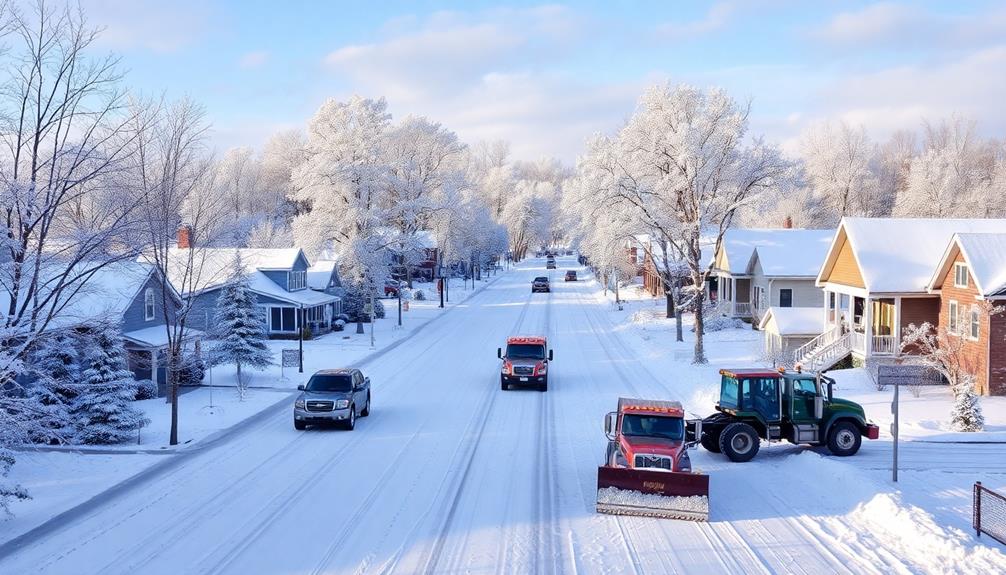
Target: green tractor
point(776, 405)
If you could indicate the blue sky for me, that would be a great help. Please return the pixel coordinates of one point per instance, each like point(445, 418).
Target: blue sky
point(546, 76)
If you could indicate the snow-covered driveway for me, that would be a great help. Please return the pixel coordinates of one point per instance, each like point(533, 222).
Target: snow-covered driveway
point(451, 475)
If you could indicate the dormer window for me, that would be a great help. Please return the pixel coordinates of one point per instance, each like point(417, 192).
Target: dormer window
point(960, 275)
point(296, 280)
point(148, 304)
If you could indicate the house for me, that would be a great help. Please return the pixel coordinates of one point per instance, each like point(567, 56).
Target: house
point(278, 276)
point(760, 268)
point(414, 255)
point(323, 276)
point(876, 279)
point(788, 328)
point(127, 293)
point(970, 280)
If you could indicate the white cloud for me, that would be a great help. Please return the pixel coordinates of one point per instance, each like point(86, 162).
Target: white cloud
point(255, 59)
point(716, 18)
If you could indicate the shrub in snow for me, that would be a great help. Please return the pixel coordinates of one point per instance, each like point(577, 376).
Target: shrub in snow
point(418, 295)
point(146, 389)
point(343, 318)
point(102, 410)
point(966, 414)
point(192, 370)
point(720, 322)
point(378, 309)
point(56, 372)
point(240, 327)
point(9, 491)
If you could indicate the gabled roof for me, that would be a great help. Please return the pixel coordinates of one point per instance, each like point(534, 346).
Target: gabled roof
point(793, 320)
point(793, 253)
point(985, 255)
point(898, 255)
point(320, 274)
point(212, 266)
point(786, 251)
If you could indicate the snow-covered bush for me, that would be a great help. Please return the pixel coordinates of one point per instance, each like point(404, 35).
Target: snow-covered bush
point(338, 325)
point(102, 410)
point(9, 492)
point(418, 295)
point(378, 309)
point(966, 414)
point(146, 389)
point(192, 372)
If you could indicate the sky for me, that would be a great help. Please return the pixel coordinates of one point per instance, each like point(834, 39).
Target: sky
point(547, 76)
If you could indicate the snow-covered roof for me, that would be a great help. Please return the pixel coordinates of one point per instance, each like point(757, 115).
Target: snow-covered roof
point(793, 320)
point(319, 274)
point(783, 250)
point(792, 253)
point(986, 258)
point(213, 266)
point(898, 255)
point(262, 285)
point(104, 294)
point(156, 336)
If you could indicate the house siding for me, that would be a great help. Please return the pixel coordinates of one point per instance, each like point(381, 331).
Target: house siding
point(846, 270)
point(280, 278)
point(133, 317)
point(204, 307)
point(997, 354)
point(919, 310)
point(976, 353)
point(805, 293)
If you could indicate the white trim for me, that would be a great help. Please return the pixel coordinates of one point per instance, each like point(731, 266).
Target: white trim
point(961, 266)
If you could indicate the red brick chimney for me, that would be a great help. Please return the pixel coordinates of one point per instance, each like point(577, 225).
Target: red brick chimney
point(185, 237)
point(788, 223)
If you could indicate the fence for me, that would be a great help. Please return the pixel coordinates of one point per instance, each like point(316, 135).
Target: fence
point(989, 509)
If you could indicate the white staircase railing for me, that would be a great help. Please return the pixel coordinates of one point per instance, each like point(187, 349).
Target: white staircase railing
point(822, 340)
point(824, 350)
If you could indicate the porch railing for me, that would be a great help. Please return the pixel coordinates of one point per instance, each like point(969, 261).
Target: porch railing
point(742, 309)
point(885, 344)
point(819, 342)
point(857, 340)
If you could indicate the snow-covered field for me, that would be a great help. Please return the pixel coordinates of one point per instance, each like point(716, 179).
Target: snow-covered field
point(451, 475)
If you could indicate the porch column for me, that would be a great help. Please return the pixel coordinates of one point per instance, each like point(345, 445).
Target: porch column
point(868, 326)
point(827, 310)
point(897, 325)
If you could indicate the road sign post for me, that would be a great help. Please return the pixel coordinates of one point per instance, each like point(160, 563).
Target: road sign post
point(898, 375)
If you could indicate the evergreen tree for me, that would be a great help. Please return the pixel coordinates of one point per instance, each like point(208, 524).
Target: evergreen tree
point(56, 369)
point(240, 327)
point(967, 411)
point(102, 410)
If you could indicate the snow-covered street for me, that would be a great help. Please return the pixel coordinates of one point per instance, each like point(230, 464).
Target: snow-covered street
point(451, 475)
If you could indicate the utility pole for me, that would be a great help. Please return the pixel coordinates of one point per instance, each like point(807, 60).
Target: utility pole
point(399, 305)
point(300, 353)
point(372, 315)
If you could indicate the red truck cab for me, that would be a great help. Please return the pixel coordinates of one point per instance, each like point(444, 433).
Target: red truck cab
point(648, 434)
point(525, 362)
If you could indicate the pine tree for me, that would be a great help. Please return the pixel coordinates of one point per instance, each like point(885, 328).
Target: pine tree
point(102, 410)
point(967, 411)
point(240, 327)
point(56, 369)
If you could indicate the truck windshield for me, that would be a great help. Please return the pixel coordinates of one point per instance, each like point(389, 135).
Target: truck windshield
point(330, 383)
point(525, 351)
point(542, 279)
point(653, 426)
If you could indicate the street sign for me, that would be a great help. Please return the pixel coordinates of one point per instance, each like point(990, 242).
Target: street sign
point(291, 358)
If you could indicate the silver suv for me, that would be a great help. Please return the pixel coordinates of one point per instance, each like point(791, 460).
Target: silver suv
point(332, 396)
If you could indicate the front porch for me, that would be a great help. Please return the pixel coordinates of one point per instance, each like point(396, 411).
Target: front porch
point(735, 296)
point(873, 324)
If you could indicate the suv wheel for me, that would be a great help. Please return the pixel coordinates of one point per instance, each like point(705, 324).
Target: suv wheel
point(299, 425)
point(366, 407)
point(844, 439)
point(739, 441)
point(351, 422)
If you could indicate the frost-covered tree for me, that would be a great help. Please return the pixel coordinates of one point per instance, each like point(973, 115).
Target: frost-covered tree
point(240, 327)
point(839, 163)
point(102, 410)
point(55, 369)
point(966, 414)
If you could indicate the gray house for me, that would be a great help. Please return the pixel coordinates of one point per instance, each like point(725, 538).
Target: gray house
point(762, 268)
point(277, 276)
point(323, 276)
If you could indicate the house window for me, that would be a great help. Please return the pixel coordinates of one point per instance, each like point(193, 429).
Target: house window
point(316, 313)
point(786, 297)
point(960, 275)
point(295, 280)
point(148, 304)
point(953, 317)
point(759, 297)
point(975, 326)
point(282, 319)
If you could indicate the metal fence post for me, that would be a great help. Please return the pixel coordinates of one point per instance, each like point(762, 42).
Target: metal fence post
point(977, 508)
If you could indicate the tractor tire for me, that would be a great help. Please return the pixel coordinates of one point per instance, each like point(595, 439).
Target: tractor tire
point(711, 441)
point(366, 408)
point(299, 425)
point(739, 442)
point(844, 439)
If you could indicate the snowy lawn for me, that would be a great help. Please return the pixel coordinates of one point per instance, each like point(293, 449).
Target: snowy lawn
point(59, 481)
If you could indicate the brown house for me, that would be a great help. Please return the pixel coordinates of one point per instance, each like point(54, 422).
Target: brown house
point(971, 283)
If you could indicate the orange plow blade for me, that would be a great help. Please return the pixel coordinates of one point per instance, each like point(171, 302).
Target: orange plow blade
point(673, 495)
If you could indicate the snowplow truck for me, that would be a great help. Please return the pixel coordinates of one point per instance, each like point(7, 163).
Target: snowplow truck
point(647, 470)
point(775, 405)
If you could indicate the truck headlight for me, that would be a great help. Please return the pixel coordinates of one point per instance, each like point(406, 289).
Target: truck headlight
point(685, 463)
point(342, 404)
point(299, 404)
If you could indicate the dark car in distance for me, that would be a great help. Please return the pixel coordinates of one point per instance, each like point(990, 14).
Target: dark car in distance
point(540, 284)
point(570, 276)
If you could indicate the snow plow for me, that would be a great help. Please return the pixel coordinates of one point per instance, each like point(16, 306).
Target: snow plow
point(647, 471)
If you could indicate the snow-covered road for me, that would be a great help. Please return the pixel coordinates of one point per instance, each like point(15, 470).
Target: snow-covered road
point(451, 475)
